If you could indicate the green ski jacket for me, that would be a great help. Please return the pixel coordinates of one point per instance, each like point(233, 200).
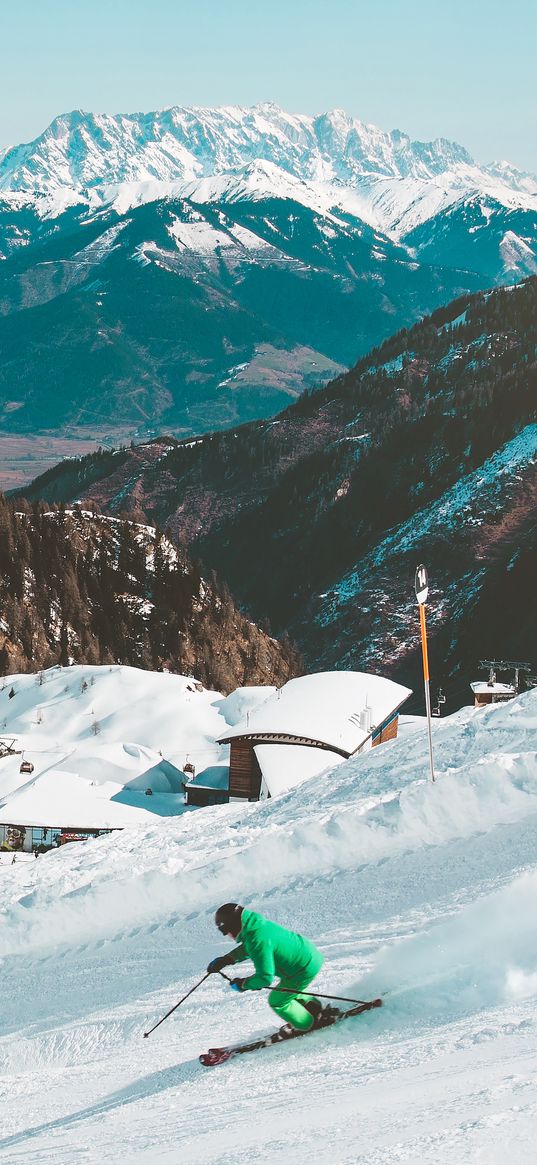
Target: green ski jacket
point(273, 951)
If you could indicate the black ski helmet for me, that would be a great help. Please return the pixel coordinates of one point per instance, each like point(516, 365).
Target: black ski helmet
point(228, 918)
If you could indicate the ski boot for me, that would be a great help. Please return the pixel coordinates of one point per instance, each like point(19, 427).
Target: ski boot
point(323, 1015)
point(284, 1033)
point(328, 1016)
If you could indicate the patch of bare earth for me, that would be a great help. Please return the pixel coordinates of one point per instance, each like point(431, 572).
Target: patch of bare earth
point(519, 513)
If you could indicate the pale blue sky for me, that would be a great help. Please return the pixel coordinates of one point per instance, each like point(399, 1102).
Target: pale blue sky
point(463, 69)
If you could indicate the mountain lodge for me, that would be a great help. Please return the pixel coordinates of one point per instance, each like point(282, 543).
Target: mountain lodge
point(308, 725)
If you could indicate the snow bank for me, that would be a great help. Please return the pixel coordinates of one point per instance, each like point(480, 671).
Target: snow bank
point(239, 703)
point(366, 811)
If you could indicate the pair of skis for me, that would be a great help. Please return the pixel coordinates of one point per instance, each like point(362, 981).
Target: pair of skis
point(216, 1056)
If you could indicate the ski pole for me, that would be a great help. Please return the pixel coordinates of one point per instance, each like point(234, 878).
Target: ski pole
point(312, 995)
point(172, 1009)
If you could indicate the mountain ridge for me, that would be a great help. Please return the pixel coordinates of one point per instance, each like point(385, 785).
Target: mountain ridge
point(186, 270)
point(84, 152)
point(427, 449)
point(329, 132)
point(179, 317)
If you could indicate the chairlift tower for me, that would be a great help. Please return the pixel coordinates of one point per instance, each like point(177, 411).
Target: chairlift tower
point(492, 691)
point(496, 665)
point(7, 748)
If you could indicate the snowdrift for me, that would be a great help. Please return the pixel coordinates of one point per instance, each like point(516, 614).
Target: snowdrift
point(99, 737)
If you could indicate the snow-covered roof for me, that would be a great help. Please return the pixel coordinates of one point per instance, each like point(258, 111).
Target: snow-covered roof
point(483, 688)
point(63, 799)
point(327, 708)
point(98, 737)
point(242, 702)
point(284, 766)
point(213, 777)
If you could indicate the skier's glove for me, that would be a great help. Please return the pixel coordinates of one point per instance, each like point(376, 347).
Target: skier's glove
point(237, 984)
point(217, 964)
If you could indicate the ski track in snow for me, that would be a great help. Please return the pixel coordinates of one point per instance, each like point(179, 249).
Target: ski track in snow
point(424, 893)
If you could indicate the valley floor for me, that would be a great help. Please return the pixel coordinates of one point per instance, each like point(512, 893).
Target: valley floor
point(23, 457)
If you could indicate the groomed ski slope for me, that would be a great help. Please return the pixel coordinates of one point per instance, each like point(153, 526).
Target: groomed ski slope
point(423, 893)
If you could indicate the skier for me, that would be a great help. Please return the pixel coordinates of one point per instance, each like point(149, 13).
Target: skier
point(274, 951)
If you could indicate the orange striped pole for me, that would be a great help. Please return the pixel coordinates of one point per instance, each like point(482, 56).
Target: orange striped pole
point(422, 592)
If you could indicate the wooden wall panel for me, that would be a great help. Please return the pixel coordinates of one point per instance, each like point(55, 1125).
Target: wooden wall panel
point(200, 795)
point(244, 771)
point(387, 732)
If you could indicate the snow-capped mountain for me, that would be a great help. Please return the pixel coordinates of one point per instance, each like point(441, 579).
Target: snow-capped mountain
point(81, 150)
point(179, 317)
point(390, 181)
point(485, 234)
point(331, 163)
point(269, 250)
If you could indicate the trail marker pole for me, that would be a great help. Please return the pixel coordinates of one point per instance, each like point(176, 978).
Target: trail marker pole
point(421, 585)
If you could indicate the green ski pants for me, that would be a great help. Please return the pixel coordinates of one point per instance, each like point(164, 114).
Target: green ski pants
point(289, 1006)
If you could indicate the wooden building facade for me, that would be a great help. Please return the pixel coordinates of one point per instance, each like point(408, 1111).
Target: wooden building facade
point(335, 705)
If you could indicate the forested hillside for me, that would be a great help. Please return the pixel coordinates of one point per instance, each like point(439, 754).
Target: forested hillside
point(426, 449)
point(79, 587)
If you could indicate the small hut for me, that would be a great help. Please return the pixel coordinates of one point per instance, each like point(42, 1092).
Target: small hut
point(307, 726)
point(492, 691)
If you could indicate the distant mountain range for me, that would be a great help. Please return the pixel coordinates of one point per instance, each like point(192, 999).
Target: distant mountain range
point(195, 268)
point(384, 178)
point(426, 450)
point(179, 318)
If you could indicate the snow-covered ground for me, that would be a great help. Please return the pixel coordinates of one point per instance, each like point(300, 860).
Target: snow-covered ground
point(424, 893)
point(99, 737)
